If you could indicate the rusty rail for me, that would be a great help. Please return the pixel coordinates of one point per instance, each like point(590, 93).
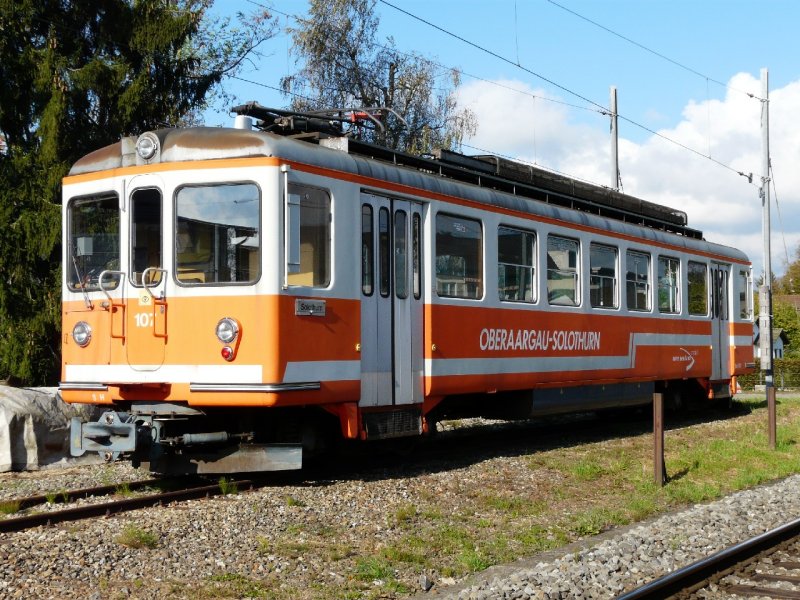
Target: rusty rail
point(110, 508)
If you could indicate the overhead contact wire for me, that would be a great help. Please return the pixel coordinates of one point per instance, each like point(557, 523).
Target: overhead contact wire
point(559, 86)
point(650, 50)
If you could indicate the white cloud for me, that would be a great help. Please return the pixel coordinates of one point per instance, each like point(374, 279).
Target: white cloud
point(718, 201)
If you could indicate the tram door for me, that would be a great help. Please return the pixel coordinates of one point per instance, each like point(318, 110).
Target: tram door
point(146, 310)
point(720, 321)
point(391, 301)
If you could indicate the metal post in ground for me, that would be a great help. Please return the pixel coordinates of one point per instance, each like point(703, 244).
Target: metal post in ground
point(772, 418)
point(765, 292)
point(659, 467)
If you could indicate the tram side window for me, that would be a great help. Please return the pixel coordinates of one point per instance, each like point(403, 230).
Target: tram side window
point(367, 251)
point(146, 235)
point(668, 289)
point(698, 288)
point(217, 234)
point(562, 271)
point(516, 271)
point(93, 242)
point(384, 257)
point(745, 298)
point(638, 280)
point(401, 254)
point(603, 277)
point(459, 264)
point(416, 255)
point(315, 237)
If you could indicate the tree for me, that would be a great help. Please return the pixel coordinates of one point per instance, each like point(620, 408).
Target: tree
point(345, 66)
point(789, 283)
point(784, 316)
point(78, 75)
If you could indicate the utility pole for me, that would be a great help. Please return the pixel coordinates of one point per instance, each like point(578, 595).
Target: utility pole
point(765, 293)
point(614, 139)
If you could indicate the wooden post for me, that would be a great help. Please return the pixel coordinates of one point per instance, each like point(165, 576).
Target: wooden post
point(659, 467)
point(772, 417)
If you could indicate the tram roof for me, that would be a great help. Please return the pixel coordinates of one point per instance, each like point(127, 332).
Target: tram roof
point(555, 196)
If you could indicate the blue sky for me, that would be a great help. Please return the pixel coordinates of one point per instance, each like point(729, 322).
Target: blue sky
point(715, 41)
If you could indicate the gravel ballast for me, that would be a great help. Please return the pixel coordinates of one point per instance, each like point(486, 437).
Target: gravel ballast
point(642, 553)
point(395, 529)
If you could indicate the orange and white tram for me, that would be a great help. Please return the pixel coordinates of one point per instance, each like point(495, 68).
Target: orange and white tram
point(233, 297)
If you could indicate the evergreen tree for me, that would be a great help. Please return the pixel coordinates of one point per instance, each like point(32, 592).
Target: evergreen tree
point(77, 75)
point(344, 65)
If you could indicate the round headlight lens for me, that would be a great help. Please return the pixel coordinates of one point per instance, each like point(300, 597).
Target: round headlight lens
point(146, 146)
point(227, 330)
point(82, 333)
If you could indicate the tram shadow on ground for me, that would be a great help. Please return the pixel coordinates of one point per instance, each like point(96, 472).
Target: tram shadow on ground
point(462, 444)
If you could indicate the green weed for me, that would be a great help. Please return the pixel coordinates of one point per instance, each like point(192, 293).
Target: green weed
point(235, 585)
point(595, 521)
point(226, 486)
point(134, 536)
point(587, 470)
point(405, 514)
point(292, 501)
point(124, 490)
point(9, 507)
point(373, 568)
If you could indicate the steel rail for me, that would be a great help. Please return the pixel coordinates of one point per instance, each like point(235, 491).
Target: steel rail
point(65, 496)
point(703, 569)
point(110, 508)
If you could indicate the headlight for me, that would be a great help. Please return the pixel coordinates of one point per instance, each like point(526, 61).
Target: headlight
point(227, 330)
point(82, 333)
point(146, 146)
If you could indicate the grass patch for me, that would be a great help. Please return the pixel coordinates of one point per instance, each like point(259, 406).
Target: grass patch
point(134, 536)
point(405, 514)
point(290, 549)
point(587, 470)
point(124, 490)
point(510, 505)
point(539, 538)
point(372, 568)
point(432, 513)
point(640, 507)
point(408, 553)
point(235, 585)
point(9, 507)
point(336, 552)
point(474, 561)
point(295, 529)
point(292, 501)
point(52, 497)
point(226, 486)
point(596, 520)
point(597, 485)
point(378, 571)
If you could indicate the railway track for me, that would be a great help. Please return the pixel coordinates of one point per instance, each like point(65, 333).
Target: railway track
point(766, 566)
point(187, 490)
point(446, 448)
